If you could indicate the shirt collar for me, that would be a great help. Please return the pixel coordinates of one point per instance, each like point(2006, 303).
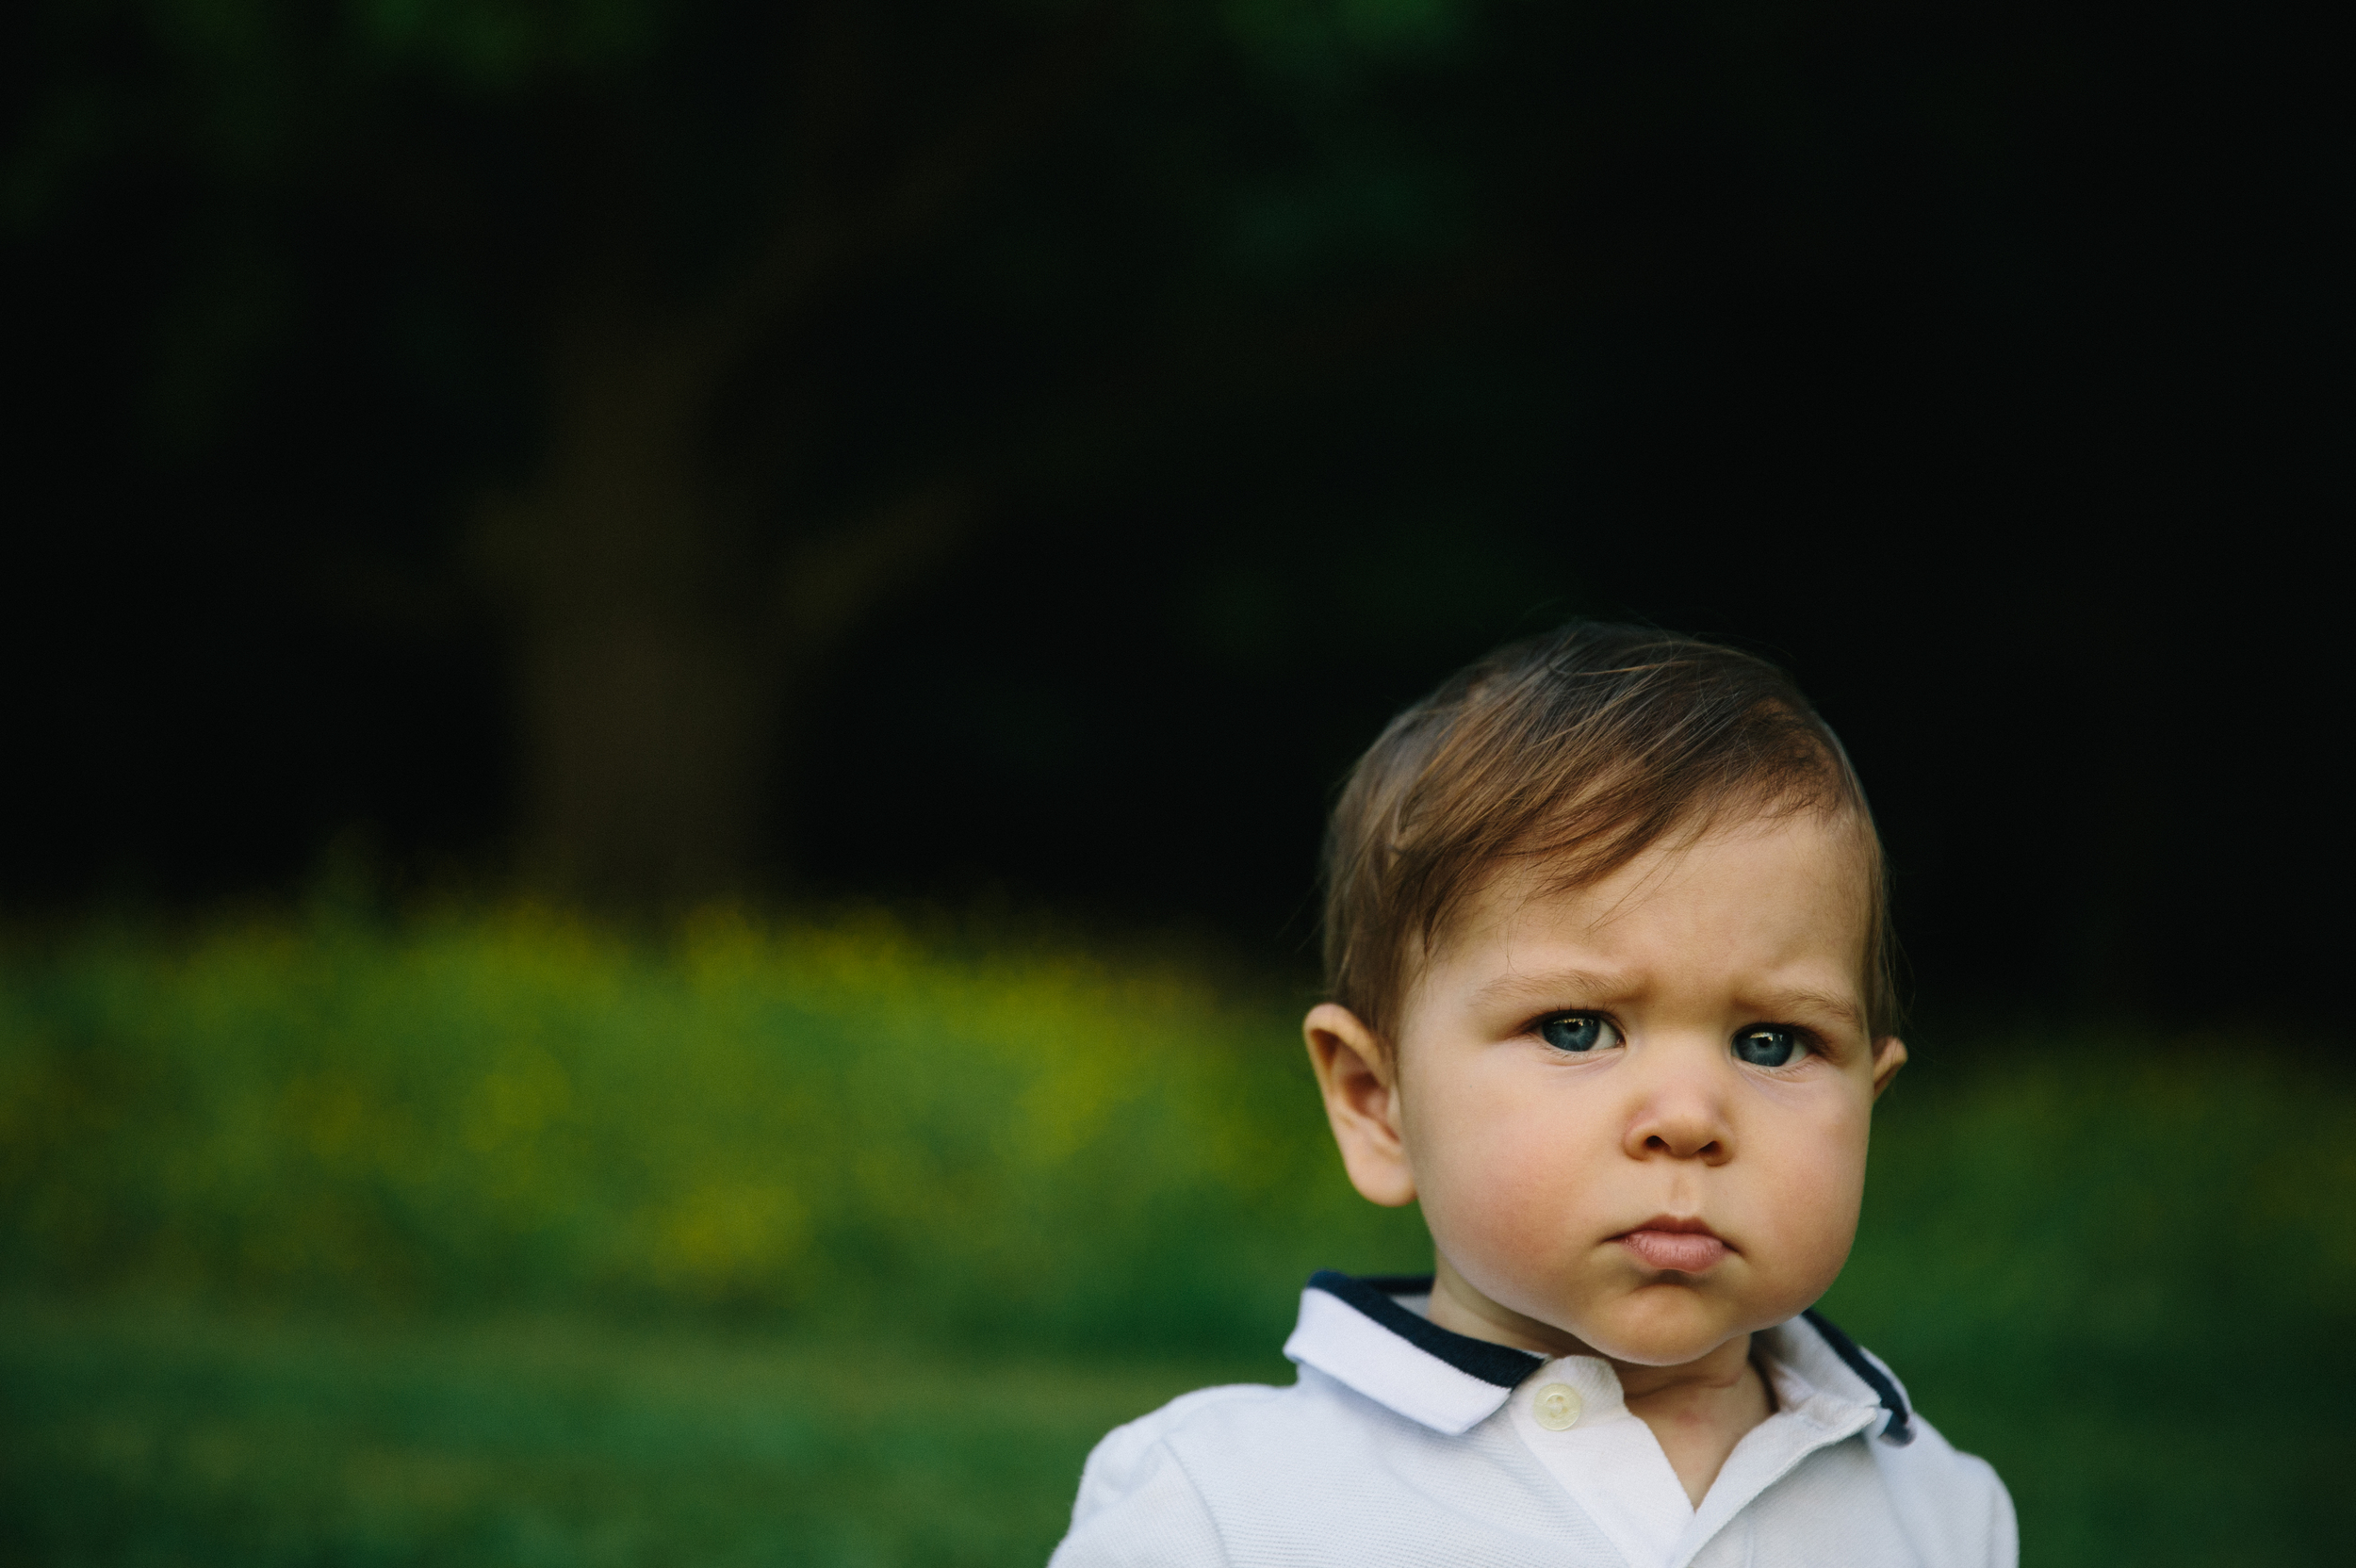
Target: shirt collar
point(1370, 1335)
point(1822, 1356)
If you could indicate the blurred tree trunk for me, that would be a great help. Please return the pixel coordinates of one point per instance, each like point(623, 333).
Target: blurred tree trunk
point(664, 628)
point(669, 614)
point(641, 707)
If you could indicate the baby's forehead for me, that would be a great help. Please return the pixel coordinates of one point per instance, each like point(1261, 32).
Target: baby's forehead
point(1787, 897)
point(1780, 855)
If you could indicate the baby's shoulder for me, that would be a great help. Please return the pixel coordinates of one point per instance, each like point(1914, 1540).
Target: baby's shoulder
point(1129, 1455)
point(1137, 1505)
point(1956, 1506)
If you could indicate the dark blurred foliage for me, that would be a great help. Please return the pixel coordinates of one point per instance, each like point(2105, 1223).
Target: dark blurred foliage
point(1239, 371)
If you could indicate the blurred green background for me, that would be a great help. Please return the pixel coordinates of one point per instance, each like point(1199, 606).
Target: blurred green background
point(549, 539)
point(496, 1236)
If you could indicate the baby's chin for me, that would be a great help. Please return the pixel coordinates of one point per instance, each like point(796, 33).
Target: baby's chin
point(1665, 1325)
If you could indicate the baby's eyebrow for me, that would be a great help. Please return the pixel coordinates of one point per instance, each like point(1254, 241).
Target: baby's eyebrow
point(1575, 987)
point(1800, 1001)
point(1556, 985)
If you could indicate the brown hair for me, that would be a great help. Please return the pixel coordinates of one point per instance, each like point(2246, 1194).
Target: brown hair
point(1581, 748)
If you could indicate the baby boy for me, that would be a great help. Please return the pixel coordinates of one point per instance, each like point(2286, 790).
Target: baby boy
point(1608, 960)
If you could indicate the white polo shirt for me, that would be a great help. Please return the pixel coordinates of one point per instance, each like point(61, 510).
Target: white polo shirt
point(1402, 1443)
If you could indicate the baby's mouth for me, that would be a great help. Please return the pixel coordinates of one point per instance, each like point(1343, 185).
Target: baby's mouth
point(1683, 1246)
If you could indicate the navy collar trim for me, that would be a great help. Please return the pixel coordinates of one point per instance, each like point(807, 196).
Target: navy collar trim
point(1899, 1429)
point(1500, 1365)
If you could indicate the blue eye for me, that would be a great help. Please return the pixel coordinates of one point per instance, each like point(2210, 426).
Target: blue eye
point(1770, 1045)
point(1577, 1031)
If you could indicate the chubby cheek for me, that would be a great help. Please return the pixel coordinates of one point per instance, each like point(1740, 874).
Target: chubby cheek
point(1802, 1207)
point(1509, 1180)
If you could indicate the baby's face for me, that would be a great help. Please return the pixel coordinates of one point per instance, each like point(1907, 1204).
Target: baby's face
point(1636, 1113)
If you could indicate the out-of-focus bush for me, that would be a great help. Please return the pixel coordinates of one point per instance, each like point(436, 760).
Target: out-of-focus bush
point(2109, 1198)
point(823, 1124)
point(847, 1125)
point(2125, 1272)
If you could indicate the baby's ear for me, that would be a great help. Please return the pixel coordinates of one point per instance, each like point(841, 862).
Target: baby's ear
point(1890, 1054)
point(1356, 1076)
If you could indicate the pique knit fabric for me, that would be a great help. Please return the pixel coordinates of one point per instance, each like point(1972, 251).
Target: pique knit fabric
point(1404, 1444)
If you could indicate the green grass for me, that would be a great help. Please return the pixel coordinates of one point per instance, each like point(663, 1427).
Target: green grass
point(501, 1238)
point(151, 1436)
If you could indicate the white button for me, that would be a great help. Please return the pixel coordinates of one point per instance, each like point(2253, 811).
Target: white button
point(1557, 1407)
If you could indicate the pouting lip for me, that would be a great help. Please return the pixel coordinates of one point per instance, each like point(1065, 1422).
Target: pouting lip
point(1675, 1227)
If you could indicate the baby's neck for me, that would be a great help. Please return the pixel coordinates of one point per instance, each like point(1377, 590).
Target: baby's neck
point(1697, 1411)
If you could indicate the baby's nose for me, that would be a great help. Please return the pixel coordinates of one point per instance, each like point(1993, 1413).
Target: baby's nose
point(1680, 1119)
